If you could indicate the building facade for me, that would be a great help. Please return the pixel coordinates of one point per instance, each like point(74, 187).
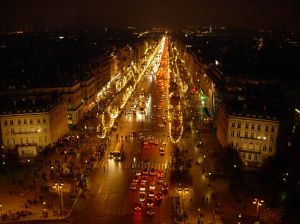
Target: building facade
point(253, 136)
point(29, 124)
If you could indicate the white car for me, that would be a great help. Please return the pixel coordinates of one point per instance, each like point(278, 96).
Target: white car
point(142, 196)
point(133, 186)
point(143, 187)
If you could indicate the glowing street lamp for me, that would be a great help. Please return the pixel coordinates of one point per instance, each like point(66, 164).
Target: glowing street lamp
point(258, 203)
point(59, 187)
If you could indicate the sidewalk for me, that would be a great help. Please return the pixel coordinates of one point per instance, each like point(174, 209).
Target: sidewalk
point(30, 192)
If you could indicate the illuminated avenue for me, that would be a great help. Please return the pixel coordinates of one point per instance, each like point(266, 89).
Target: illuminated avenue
point(152, 133)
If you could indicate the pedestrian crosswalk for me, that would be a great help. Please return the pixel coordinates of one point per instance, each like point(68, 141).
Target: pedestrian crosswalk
point(138, 166)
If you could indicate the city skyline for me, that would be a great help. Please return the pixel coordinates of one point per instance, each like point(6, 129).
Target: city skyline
point(173, 14)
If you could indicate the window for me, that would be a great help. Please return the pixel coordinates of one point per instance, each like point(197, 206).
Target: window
point(244, 155)
point(238, 133)
point(233, 124)
point(5, 122)
point(249, 156)
point(44, 120)
point(272, 129)
point(11, 122)
point(252, 126)
point(239, 124)
point(270, 149)
point(255, 157)
point(271, 139)
point(264, 148)
point(31, 121)
point(247, 126)
point(246, 134)
point(252, 134)
point(258, 127)
point(25, 121)
point(232, 133)
point(267, 128)
point(19, 121)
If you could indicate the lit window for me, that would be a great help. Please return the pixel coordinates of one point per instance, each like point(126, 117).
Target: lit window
point(233, 124)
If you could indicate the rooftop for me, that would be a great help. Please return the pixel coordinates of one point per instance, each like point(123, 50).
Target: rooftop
point(28, 104)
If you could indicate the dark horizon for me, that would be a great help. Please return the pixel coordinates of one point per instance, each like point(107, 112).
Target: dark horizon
point(175, 14)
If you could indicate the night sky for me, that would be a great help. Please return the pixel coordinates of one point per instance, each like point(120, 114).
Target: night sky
point(171, 13)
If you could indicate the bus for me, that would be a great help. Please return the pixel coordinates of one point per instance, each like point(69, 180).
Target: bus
point(118, 153)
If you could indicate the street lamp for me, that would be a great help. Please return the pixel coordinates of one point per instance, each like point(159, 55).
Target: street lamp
point(1, 209)
point(59, 187)
point(258, 203)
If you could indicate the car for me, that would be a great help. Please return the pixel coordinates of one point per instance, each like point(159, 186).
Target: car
point(164, 188)
point(163, 117)
point(142, 196)
point(159, 173)
point(158, 196)
point(138, 173)
point(111, 155)
point(162, 151)
point(143, 187)
point(138, 207)
point(179, 188)
point(155, 141)
point(152, 117)
point(164, 142)
point(152, 186)
point(161, 125)
point(160, 180)
point(158, 116)
point(136, 179)
point(144, 179)
point(151, 193)
point(150, 203)
point(154, 105)
point(159, 107)
point(152, 172)
point(150, 212)
point(146, 142)
point(145, 171)
point(133, 186)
